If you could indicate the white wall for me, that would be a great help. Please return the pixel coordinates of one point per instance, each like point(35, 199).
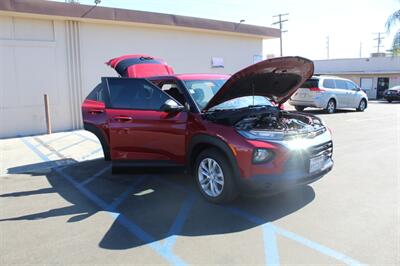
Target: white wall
point(32, 63)
point(185, 51)
point(38, 56)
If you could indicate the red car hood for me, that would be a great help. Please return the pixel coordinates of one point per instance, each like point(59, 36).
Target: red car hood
point(140, 66)
point(276, 78)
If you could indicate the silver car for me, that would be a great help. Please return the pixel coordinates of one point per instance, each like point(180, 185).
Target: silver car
point(329, 93)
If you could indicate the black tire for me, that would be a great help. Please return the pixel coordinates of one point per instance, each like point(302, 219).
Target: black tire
point(229, 190)
point(362, 105)
point(389, 101)
point(299, 108)
point(331, 106)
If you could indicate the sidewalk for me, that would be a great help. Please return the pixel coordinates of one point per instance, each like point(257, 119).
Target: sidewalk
point(45, 151)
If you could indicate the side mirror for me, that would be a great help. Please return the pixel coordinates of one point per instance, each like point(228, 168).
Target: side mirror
point(170, 106)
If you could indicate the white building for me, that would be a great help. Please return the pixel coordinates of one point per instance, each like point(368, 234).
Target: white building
point(374, 75)
point(59, 49)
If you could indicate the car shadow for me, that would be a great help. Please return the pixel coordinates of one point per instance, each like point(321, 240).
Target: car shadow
point(154, 205)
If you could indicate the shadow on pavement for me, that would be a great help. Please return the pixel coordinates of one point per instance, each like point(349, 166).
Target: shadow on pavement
point(159, 203)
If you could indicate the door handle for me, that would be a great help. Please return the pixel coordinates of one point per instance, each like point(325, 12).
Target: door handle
point(122, 118)
point(95, 111)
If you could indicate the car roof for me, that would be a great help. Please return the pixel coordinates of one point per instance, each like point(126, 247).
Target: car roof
point(327, 76)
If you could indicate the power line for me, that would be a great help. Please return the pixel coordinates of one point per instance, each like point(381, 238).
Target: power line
point(280, 22)
point(379, 39)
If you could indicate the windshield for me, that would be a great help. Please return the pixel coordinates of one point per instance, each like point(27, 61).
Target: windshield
point(203, 90)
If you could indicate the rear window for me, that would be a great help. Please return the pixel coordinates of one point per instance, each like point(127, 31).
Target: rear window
point(96, 94)
point(135, 94)
point(310, 83)
point(329, 83)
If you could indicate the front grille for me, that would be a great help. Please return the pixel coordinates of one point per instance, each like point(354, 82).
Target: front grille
point(321, 149)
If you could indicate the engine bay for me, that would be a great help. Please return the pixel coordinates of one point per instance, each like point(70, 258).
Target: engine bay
point(269, 118)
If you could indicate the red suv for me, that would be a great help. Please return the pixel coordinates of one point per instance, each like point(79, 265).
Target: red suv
point(227, 130)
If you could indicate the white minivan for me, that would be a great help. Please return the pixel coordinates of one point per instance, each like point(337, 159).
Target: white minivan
point(329, 93)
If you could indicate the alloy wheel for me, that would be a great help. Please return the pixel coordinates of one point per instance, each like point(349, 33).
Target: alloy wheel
point(211, 177)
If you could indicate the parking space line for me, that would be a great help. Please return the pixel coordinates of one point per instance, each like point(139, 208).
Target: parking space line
point(130, 226)
point(91, 153)
point(85, 137)
point(306, 242)
point(269, 230)
point(72, 145)
point(93, 177)
point(56, 139)
point(270, 245)
point(180, 220)
point(123, 196)
point(35, 150)
point(50, 148)
point(318, 247)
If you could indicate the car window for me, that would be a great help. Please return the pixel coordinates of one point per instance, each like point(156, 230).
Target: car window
point(135, 94)
point(203, 90)
point(350, 85)
point(310, 83)
point(341, 84)
point(329, 83)
point(96, 94)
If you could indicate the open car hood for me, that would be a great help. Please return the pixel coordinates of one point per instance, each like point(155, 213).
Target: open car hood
point(276, 78)
point(140, 66)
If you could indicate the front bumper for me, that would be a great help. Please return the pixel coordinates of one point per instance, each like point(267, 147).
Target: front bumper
point(392, 97)
point(269, 184)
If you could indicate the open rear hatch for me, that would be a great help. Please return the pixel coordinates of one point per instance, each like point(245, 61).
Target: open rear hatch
point(276, 78)
point(140, 66)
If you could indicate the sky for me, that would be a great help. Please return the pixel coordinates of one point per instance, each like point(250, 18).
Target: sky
point(348, 23)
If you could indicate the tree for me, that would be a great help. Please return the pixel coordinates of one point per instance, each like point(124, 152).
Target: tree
point(390, 23)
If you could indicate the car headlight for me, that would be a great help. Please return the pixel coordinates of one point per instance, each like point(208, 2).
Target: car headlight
point(262, 134)
point(261, 155)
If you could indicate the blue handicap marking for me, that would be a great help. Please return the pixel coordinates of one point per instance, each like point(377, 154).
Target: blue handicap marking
point(270, 231)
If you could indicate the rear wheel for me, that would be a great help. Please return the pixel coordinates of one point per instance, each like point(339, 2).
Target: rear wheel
point(331, 106)
point(362, 105)
point(389, 101)
point(214, 177)
point(299, 108)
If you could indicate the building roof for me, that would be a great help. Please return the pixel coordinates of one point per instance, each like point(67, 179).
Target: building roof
point(373, 65)
point(76, 11)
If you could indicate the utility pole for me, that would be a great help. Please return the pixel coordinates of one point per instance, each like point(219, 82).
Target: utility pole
point(280, 22)
point(379, 38)
point(360, 49)
point(327, 47)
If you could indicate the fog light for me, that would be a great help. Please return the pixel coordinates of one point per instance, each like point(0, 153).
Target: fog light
point(262, 155)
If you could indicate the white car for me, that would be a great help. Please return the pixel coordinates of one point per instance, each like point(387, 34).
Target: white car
point(329, 93)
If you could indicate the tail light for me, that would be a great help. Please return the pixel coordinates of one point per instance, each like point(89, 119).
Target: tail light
point(316, 89)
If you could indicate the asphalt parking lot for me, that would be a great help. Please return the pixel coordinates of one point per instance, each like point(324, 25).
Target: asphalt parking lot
point(60, 204)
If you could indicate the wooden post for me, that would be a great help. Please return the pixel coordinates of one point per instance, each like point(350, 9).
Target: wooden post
point(47, 112)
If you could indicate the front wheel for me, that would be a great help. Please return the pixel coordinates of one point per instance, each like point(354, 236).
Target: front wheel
point(361, 107)
point(389, 101)
point(214, 177)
